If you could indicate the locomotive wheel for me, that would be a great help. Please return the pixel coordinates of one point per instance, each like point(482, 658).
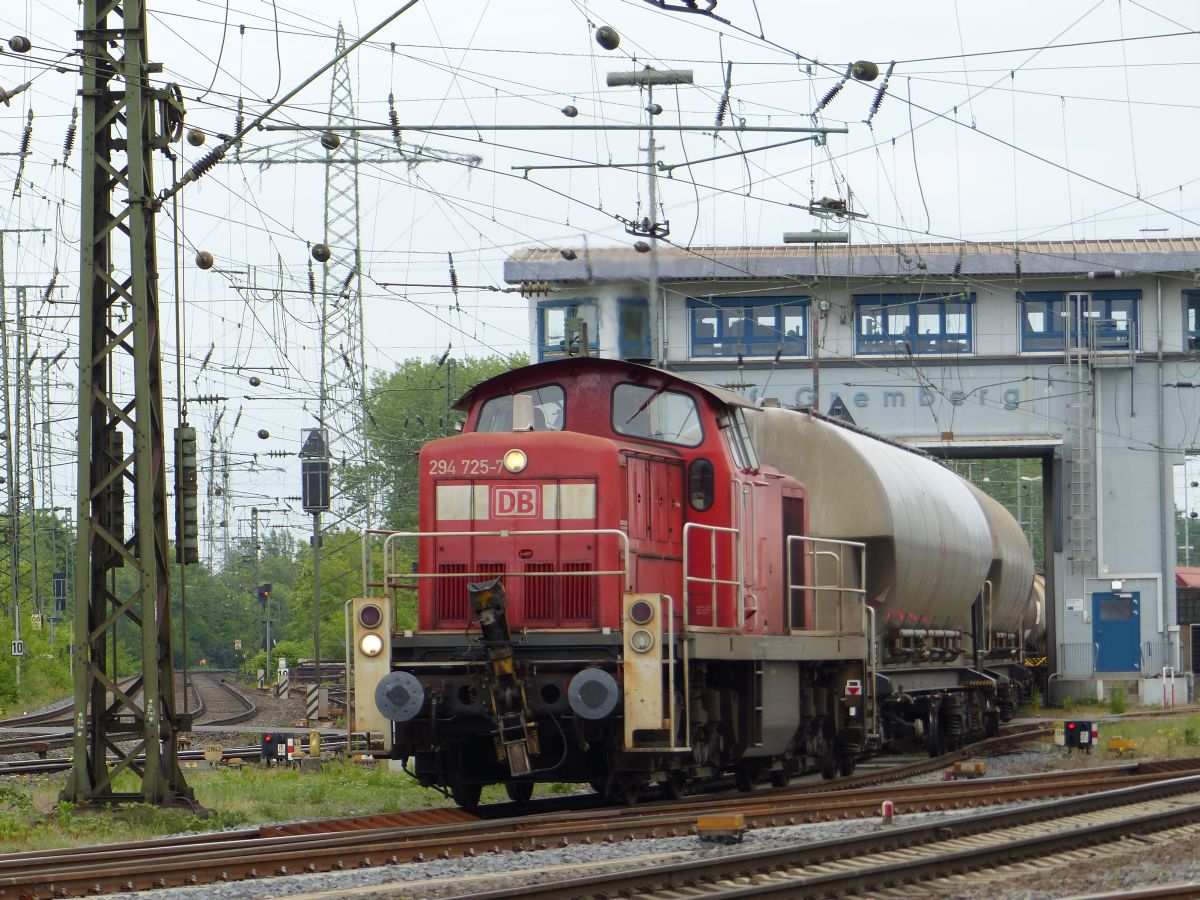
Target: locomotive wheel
point(625, 793)
point(519, 791)
point(845, 765)
point(466, 795)
point(672, 788)
point(780, 778)
point(828, 765)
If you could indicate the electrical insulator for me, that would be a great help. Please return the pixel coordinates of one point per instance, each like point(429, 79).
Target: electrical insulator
point(204, 260)
point(195, 137)
point(263, 434)
point(330, 141)
point(655, 109)
point(187, 507)
point(535, 288)
point(20, 44)
point(567, 253)
point(320, 252)
point(641, 246)
point(255, 381)
point(607, 37)
point(570, 112)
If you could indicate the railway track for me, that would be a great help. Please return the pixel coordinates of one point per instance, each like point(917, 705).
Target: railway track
point(453, 833)
point(897, 860)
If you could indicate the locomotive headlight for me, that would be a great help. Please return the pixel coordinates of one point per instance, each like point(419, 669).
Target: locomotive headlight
point(371, 644)
point(515, 461)
point(641, 640)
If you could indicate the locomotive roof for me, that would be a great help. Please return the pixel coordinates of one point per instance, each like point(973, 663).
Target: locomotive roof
point(559, 367)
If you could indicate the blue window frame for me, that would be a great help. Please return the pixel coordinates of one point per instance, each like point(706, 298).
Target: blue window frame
point(931, 324)
point(1102, 320)
point(749, 326)
point(552, 325)
point(1191, 306)
point(633, 328)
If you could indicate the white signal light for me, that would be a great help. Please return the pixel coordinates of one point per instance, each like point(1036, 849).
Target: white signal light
point(641, 640)
point(515, 461)
point(371, 644)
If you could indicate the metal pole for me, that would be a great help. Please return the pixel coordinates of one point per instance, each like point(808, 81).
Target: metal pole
point(658, 329)
point(316, 543)
point(10, 479)
point(25, 384)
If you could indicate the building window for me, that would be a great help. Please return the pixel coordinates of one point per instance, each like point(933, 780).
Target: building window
point(913, 323)
point(1057, 320)
point(760, 326)
point(633, 329)
point(1191, 301)
point(552, 326)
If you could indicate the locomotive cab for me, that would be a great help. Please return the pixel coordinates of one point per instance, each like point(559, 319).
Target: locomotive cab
point(610, 587)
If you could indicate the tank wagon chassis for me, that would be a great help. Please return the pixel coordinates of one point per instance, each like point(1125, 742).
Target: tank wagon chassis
point(650, 706)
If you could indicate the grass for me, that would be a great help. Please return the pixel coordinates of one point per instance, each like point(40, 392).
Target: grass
point(32, 818)
point(1176, 737)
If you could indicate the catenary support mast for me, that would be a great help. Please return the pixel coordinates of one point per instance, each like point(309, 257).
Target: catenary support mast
point(121, 429)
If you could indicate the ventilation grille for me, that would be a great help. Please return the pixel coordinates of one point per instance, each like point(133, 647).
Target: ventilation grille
point(451, 603)
point(568, 599)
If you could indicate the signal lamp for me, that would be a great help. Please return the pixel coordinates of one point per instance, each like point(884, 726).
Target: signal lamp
point(370, 616)
point(641, 640)
point(371, 644)
point(515, 461)
point(641, 612)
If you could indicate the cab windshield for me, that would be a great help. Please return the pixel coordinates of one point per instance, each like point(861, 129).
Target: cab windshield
point(548, 410)
point(656, 414)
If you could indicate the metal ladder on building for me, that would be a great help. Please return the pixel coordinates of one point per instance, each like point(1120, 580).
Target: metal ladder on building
point(1081, 433)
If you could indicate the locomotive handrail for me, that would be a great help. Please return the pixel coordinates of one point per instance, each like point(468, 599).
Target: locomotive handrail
point(840, 587)
point(712, 580)
point(393, 537)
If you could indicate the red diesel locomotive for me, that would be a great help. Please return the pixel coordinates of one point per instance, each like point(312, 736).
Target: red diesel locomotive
point(628, 578)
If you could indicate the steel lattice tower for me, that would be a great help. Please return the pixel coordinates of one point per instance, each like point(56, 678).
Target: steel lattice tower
point(342, 402)
point(121, 428)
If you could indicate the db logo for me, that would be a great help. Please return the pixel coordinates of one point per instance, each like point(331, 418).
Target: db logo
point(514, 502)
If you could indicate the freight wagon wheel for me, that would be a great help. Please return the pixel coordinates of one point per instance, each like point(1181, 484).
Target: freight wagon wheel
point(519, 791)
point(845, 765)
point(466, 795)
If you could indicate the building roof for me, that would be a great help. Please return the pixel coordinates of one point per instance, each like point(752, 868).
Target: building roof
point(1099, 258)
point(1187, 577)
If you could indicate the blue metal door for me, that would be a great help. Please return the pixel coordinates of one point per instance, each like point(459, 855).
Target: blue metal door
point(1117, 631)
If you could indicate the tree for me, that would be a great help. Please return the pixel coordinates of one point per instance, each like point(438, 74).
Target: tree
point(405, 409)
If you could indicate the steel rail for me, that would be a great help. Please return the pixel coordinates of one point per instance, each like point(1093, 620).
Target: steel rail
point(763, 872)
point(250, 854)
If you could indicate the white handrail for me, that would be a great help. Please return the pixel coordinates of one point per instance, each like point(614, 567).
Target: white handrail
point(712, 580)
point(393, 538)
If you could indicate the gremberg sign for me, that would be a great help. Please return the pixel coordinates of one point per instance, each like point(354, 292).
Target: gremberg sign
point(1009, 398)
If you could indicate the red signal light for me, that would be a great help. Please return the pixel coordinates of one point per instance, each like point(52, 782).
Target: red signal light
point(1071, 726)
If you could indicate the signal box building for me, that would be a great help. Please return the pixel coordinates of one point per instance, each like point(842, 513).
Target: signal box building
point(1081, 358)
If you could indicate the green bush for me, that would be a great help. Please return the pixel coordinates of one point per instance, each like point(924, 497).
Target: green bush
point(1116, 701)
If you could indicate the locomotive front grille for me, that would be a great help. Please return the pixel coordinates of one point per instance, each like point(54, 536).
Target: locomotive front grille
point(450, 601)
point(565, 598)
